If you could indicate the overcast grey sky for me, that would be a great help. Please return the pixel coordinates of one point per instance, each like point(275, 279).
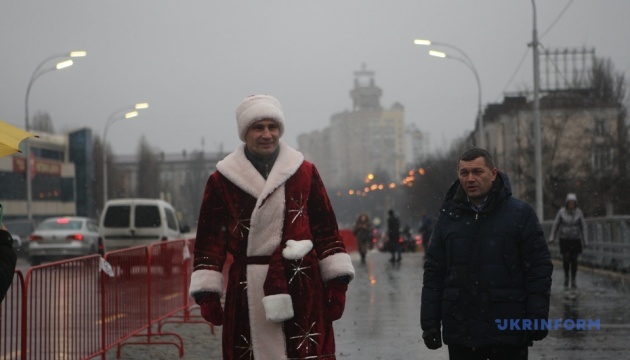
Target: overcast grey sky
point(193, 61)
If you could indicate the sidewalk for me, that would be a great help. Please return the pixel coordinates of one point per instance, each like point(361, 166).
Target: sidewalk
point(382, 318)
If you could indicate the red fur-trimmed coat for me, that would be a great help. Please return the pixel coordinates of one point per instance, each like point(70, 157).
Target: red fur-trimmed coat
point(249, 217)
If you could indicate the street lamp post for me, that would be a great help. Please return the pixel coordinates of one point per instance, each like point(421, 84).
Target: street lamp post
point(38, 72)
point(127, 113)
point(537, 126)
point(468, 62)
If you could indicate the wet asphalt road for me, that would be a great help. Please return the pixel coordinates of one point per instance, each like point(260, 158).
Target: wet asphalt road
point(382, 318)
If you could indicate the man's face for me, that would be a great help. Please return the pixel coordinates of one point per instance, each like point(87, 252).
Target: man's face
point(262, 138)
point(476, 178)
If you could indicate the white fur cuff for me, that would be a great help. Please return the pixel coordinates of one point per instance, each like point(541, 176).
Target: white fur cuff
point(206, 281)
point(297, 249)
point(278, 307)
point(336, 265)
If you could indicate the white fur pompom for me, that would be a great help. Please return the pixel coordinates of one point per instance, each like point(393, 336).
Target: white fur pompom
point(297, 249)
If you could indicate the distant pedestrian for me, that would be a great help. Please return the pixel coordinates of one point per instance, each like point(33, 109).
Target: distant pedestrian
point(426, 229)
point(393, 236)
point(409, 244)
point(268, 208)
point(363, 232)
point(570, 227)
point(488, 260)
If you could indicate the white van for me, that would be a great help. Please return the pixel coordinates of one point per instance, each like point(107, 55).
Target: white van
point(137, 222)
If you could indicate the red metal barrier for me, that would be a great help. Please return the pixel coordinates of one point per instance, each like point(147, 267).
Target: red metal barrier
point(349, 240)
point(125, 296)
point(188, 313)
point(11, 319)
point(164, 289)
point(62, 313)
point(72, 310)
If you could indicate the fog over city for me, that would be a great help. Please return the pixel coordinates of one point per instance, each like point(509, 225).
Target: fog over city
point(193, 61)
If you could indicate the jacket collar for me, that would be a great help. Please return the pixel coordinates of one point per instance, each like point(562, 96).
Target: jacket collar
point(242, 173)
point(501, 190)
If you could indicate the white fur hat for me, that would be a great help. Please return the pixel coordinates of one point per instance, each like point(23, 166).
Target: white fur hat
point(571, 197)
point(255, 108)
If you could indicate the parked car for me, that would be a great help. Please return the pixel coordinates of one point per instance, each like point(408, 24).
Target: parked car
point(20, 229)
point(17, 244)
point(137, 222)
point(63, 237)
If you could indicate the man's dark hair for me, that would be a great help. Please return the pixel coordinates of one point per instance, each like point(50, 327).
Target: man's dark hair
point(473, 153)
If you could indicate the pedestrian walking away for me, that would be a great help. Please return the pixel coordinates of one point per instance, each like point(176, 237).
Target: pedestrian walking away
point(488, 260)
point(393, 236)
point(267, 207)
point(570, 227)
point(363, 232)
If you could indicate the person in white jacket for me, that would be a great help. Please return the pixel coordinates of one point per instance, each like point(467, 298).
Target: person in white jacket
point(570, 227)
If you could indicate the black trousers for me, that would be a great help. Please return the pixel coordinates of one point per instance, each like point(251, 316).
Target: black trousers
point(570, 249)
point(456, 352)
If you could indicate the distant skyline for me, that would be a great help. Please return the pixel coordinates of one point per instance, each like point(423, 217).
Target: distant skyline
point(194, 61)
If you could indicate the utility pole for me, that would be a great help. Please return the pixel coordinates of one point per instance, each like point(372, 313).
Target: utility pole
point(537, 128)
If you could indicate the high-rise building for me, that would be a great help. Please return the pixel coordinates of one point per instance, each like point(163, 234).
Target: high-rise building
point(417, 145)
point(367, 139)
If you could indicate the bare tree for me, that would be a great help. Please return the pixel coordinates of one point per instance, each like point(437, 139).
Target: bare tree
point(192, 190)
point(430, 186)
point(584, 145)
point(97, 158)
point(43, 122)
point(148, 185)
point(610, 87)
point(113, 178)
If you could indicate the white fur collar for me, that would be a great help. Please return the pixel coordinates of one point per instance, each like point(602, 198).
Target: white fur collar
point(243, 174)
point(266, 223)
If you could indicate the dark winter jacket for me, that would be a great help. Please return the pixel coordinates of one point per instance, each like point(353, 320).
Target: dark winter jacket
point(485, 266)
point(7, 262)
point(393, 228)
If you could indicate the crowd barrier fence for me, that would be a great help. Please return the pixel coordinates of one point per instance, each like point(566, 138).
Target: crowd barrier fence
point(11, 312)
point(83, 307)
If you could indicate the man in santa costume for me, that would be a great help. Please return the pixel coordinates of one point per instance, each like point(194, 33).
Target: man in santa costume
point(268, 208)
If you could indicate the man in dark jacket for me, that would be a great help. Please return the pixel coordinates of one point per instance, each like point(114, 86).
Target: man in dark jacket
point(487, 262)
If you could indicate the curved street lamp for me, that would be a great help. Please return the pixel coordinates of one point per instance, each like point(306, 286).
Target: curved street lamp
point(468, 62)
point(37, 73)
point(124, 113)
point(437, 43)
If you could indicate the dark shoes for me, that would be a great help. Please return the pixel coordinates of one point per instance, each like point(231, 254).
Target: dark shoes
point(566, 283)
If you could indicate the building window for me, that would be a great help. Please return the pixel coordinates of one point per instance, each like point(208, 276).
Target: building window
point(600, 127)
point(602, 158)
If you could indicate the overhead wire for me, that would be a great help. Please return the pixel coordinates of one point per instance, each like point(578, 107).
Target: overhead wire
point(520, 64)
point(553, 23)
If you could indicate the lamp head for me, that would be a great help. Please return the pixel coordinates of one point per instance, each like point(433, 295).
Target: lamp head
point(422, 42)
